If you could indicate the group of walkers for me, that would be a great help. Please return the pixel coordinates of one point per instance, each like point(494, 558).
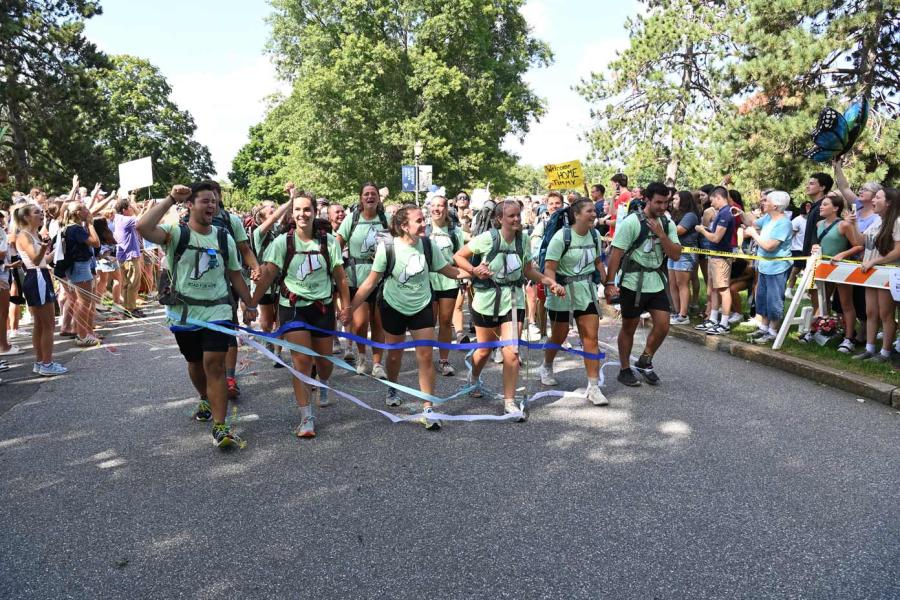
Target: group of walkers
point(306, 269)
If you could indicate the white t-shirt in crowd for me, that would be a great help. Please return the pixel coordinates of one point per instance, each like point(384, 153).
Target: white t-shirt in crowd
point(798, 224)
point(871, 252)
point(4, 247)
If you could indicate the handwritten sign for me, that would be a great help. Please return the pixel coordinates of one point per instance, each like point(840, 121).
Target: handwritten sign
point(564, 176)
point(136, 174)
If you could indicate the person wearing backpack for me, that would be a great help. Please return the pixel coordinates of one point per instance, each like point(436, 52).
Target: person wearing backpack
point(573, 260)
point(537, 326)
point(640, 247)
point(504, 263)
point(449, 238)
point(306, 264)
point(203, 266)
point(406, 263)
point(360, 233)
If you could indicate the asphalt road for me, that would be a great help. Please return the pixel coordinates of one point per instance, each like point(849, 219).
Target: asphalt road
point(728, 481)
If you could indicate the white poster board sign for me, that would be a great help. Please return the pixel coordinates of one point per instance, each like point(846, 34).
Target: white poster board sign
point(136, 174)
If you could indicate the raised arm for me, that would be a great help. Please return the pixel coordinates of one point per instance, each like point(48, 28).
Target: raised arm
point(841, 181)
point(148, 225)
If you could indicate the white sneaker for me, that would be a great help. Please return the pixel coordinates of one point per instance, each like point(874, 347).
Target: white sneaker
point(735, 318)
point(14, 333)
point(336, 347)
point(13, 351)
point(378, 371)
point(362, 366)
point(645, 316)
point(36, 368)
point(52, 369)
point(323, 397)
point(596, 396)
point(431, 423)
point(534, 334)
point(546, 375)
point(789, 293)
point(498, 355)
point(349, 355)
point(511, 407)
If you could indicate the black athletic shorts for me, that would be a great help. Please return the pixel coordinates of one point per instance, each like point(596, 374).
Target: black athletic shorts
point(444, 294)
point(396, 323)
point(480, 320)
point(316, 314)
point(193, 344)
point(562, 316)
point(370, 300)
point(268, 299)
point(649, 301)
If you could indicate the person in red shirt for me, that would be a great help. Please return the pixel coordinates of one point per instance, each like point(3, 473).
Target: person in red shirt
point(622, 198)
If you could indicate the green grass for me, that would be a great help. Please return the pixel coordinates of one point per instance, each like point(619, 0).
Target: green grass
point(824, 355)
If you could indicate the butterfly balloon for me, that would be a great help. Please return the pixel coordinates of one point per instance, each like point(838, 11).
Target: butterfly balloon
point(836, 133)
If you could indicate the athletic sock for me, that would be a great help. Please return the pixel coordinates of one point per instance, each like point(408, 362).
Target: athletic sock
point(306, 411)
point(714, 316)
point(593, 382)
point(229, 372)
point(724, 321)
point(885, 352)
point(870, 348)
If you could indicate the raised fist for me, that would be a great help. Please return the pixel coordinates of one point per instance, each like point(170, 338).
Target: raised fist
point(180, 193)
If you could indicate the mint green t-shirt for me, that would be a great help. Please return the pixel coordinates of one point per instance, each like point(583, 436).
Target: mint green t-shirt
point(579, 260)
point(275, 230)
point(506, 267)
point(649, 254)
point(200, 277)
point(362, 245)
point(441, 237)
point(307, 274)
point(408, 288)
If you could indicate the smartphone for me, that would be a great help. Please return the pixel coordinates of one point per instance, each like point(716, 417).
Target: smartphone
point(853, 208)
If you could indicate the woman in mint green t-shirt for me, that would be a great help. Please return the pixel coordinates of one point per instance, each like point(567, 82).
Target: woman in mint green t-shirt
point(305, 295)
point(449, 239)
point(405, 304)
point(498, 279)
point(574, 267)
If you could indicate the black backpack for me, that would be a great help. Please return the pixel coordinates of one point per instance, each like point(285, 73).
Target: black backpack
point(451, 231)
point(320, 229)
point(631, 266)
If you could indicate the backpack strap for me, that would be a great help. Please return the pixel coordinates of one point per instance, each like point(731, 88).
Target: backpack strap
point(495, 246)
point(223, 246)
point(819, 238)
point(383, 218)
point(426, 249)
point(390, 257)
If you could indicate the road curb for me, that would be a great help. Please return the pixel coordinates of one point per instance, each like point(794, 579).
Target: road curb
point(883, 393)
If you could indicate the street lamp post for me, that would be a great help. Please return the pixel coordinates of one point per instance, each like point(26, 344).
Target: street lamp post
point(417, 152)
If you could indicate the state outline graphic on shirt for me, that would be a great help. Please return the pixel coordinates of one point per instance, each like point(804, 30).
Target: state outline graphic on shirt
point(202, 267)
point(414, 266)
point(588, 256)
point(370, 241)
point(309, 265)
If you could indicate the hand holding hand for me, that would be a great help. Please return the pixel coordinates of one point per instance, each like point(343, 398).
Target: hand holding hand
point(345, 316)
point(250, 314)
point(557, 290)
point(610, 292)
point(482, 271)
point(256, 273)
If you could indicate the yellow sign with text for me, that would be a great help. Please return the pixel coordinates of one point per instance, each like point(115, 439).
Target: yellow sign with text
point(568, 175)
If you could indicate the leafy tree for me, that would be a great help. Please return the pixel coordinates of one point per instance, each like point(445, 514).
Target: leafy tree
point(140, 119)
point(662, 90)
point(45, 93)
point(373, 76)
point(257, 168)
point(795, 58)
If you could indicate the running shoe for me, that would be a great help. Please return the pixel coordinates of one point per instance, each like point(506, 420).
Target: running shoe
point(307, 427)
point(223, 437)
point(362, 366)
point(323, 397)
point(789, 293)
point(735, 318)
point(511, 407)
point(498, 356)
point(446, 368)
point(645, 316)
point(203, 412)
point(717, 330)
point(546, 375)
point(431, 423)
point(644, 366)
point(137, 314)
point(705, 325)
point(880, 358)
point(233, 390)
point(349, 356)
point(863, 356)
point(762, 340)
point(36, 368)
point(378, 371)
point(51, 369)
point(596, 397)
point(14, 333)
point(87, 341)
point(757, 333)
point(4, 366)
point(626, 377)
point(846, 346)
point(13, 351)
point(392, 398)
point(534, 334)
point(336, 348)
